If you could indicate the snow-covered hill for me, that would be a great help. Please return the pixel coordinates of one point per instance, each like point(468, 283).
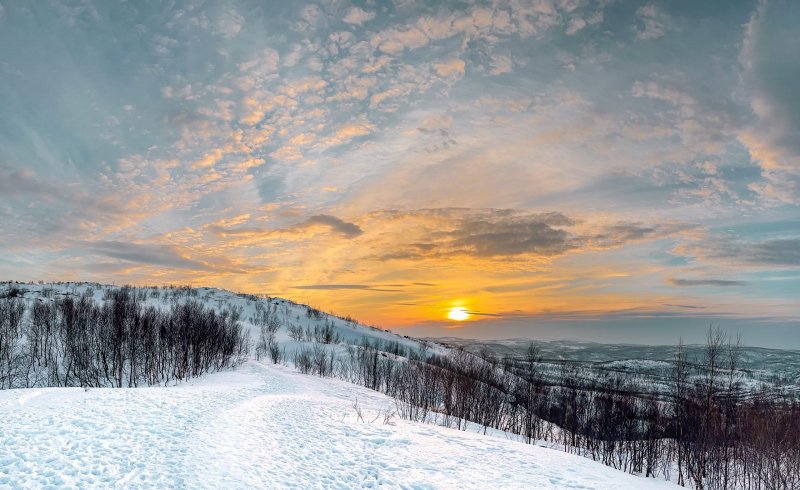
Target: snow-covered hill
point(262, 426)
point(288, 313)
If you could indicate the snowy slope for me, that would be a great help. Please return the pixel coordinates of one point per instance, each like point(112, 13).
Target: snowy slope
point(261, 426)
point(287, 312)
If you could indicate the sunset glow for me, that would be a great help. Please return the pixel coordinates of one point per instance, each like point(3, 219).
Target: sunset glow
point(458, 314)
point(609, 171)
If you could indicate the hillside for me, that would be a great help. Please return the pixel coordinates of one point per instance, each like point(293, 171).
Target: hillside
point(651, 364)
point(205, 386)
point(262, 426)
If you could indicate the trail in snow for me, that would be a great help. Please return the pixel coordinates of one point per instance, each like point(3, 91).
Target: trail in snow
point(262, 426)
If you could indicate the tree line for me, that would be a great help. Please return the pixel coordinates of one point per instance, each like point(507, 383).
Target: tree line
point(118, 341)
point(702, 428)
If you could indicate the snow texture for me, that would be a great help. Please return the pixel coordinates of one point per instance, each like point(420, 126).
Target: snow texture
point(261, 426)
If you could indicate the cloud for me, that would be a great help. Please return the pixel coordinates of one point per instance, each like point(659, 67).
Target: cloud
point(771, 69)
point(354, 130)
point(211, 158)
point(500, 234)
point(657, 91)
point(653, 22)
point(349, 230)
point(501, 64)
point(452, 67)
point(53, 209)
point(347, 132)
point(229, 24)
point(259, 69)
point(395, 41)
point(703, 282)
point(248, 163)
point(689, 307)
point(776, 252)
point(620, 233)
point(14, 182)
point(149, 254)
point(357, 16)
point(335, 287)
point(334, 224)
point(294, 147)
point(483, 313)
point(780, 252)
point(575, 25)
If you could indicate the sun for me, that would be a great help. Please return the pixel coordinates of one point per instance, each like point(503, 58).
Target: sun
point(458, 313)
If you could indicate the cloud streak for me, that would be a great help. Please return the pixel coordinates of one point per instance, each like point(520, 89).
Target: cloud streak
point(337, 287)
point(705, 282)
point(149, 254)
point(348, 230)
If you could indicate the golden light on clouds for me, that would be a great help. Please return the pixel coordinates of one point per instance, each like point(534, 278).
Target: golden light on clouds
point(387, 172)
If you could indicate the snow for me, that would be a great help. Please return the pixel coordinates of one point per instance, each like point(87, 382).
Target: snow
point(288, 312)
point(637, 364)
point(261, 426)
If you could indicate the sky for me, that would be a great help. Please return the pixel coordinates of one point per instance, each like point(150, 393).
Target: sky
point(614, 171)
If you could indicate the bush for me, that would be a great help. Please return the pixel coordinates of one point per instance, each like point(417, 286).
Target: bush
point(77, 341)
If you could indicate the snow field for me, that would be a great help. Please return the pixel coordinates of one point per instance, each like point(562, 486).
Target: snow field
point(261, 426)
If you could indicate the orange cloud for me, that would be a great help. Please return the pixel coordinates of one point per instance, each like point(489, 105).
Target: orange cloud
point(452, 67)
